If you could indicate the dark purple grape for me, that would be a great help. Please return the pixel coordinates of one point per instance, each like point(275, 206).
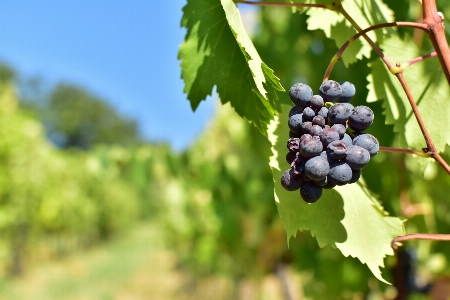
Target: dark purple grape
point(295, 123)
point(317, 168)
point(340, 173)
point(290, 157)
point(360, 118)
point(328, 135)
point(306, 127)
point(330, 90)
point(357, 157)
point(368, 142)
point(293, 144)
point(315, 130)
point(310, 192)
point(298, 165)
point(289, 181)
point(355, 176)
point(308, 114)
point(300, 94)
point(338, 113)
point(318, 120)
point(316, 102)
point(337, 149)
point(340, 128)
point(348, 91)
point(347, 140)
point(310, 146)
point(295, 110)
point(323, 112)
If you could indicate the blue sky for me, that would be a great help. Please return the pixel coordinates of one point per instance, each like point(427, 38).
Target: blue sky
point(122, 50)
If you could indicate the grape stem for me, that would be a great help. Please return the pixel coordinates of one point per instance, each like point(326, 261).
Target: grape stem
point(407, 151)
point(341, 51)
point(280, 4)
point(419, 236)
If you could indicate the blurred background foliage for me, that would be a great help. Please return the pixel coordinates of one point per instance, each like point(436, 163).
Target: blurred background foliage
point(75, 174)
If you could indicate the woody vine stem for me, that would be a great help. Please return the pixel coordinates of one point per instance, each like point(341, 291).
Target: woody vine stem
point(433, 25)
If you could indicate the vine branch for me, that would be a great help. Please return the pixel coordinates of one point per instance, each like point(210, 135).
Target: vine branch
point(419, 236)
point(406, 151)
point(282, 4)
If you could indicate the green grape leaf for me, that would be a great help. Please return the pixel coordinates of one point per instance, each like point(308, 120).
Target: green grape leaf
point(218, 52)
point(347, 217)
point(365, 13)
point(428, 87)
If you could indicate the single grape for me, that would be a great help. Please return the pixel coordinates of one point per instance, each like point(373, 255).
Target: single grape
point(300, 94)
point(330, 90)
point(316, 102)
point(298, 166)
point(368, 142)
point(295, 123)
point(310, 192)
point(318, 120)
point(340, 128)
point(306, 127)
point(338, 113)
point(337, 149)
point(293, 144)
point(360, 118)
point(310, 146)
point(357, 157)
point(295, 110)
point(328, 135)
point(308, 114)
point(315, 130)
point(348, 91)
point(289, 181)
point(317, 168)
point(340, 173)
point(323, 112)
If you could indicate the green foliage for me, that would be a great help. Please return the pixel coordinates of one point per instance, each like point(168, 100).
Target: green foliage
point(299, 49)
point(218, 52)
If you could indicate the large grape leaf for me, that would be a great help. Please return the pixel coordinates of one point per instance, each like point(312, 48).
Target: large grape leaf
point(218, 52)
point(365, 13)
point(346, 217)
point(428, 86)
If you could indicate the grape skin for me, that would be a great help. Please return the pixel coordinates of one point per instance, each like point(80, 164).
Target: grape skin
point(328, 135)
point(310, 146)
point(337, 149)
point(348, 91)
point(310, 192)
point(357, 157)
point(295, 123)
point(317, 168)
point(316, 102)
point(330, 90)
point(338, 113)
point(368, 142)
point(340, 173)
point(309, 114)
point(289, 181)
point(360, 118)
point(295, 110)
point(300, 94)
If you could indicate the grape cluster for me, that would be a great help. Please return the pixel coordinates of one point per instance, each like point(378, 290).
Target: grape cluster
point(327, 145)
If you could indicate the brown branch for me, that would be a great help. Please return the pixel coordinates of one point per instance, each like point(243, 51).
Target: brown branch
point(436, 33)
point(406, 151)
point(420, 236)
point(338, 55)
point(282, 4)
point(418, 59)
